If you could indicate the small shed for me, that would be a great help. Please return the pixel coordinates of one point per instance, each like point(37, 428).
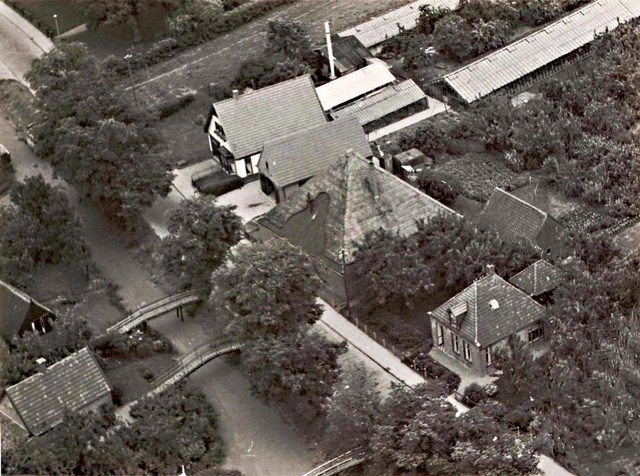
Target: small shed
point(410, 162)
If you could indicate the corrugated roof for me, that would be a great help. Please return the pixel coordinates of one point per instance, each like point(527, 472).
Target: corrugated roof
point(15, 308)
point(512, 62)
point(353, 85)
point(378, 29)
point(302, 155)
point(337, 208)
point(256, 117)
point(538, 278)
point(512, 218)
point(71, 384)
point(485, 324)
point(384, 102)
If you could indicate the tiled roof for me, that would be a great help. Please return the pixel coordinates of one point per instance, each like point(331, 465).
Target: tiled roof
point(512, 218)
point(353, 85)
point(538, 278)
point(336, 209)
point(15, 308)
point(71, 384)
point(486, 322)
point(516, 60)
point(304, 154)
point(382, 103)
point(376, 30)
point(255, 117)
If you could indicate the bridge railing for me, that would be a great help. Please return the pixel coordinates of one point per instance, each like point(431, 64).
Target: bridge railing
point(339, 463)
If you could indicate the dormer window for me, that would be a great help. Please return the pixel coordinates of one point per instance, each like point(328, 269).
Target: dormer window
point(457, 314)
point(494, 304)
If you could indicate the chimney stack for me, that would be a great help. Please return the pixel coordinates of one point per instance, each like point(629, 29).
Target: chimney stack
point(41, 365)
point(236, 93)
point(491, 270)
point(332, 68)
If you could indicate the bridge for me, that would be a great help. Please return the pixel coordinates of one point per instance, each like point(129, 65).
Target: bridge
point(192, 361)
point(154, 309)
point(339, 463)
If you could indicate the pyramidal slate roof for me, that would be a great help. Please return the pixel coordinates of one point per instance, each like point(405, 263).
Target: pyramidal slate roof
point(255, 117)
point(15, 307)
point(513, 218)
point(492, 310)
point(303, 154)
point(335, 209)
point(71, 384)
point(538, 278)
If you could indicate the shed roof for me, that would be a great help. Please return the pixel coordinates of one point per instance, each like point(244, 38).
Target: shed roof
point(485, 322)
point(337, 208)
point(539, 278)
point(378, 29)
point(382, 103)
point(255, 117)
point(15, 308)
point(353, 85)
point(302, 155)
point(513, 218)
point(71, 384)
point(348, 52)
point(516, 60)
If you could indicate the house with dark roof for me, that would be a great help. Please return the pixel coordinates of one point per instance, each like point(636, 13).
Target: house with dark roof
point(287, 163)
point(470, 326)
point(349, 54)
point(514, 219)
point(75, 384)
point(539, 280)
point(239, 127)
point(330, 215)
point(20, 313)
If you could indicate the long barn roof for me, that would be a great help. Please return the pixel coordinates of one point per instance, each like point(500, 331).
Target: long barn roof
point(516, 60)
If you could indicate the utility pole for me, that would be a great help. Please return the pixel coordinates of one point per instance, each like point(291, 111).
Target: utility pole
point(55, 18)
point(133, 86)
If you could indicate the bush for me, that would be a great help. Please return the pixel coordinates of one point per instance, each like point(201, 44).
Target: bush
point(443, 187)
point(147, 374)
point(218, 184)
point(518, 419)
point(116, 396)
point(171, 106)
point(474, 394)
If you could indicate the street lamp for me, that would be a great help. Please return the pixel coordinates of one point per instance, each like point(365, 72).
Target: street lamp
point(55, 18)
point(133, 87)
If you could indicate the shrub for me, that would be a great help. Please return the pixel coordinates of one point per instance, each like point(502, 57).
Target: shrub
point(117, 395)
point(218, 184)
point(171, 106)
point(474, 394)
point(443, 187)
point(147, 373)
point(518, 419)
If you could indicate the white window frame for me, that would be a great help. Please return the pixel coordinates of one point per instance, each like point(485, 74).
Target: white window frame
point(455, 343)
point(440, 335)
point(488, 356)
point(538, 333)
point(466, 349)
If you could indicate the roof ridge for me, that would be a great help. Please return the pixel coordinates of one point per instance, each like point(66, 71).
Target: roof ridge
point(281, 139)
point(271, 86)
point(475, 303)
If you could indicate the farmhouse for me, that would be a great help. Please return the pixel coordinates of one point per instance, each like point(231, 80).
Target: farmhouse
point(514, 219)
point(240, 126)
point(470, 326)
point(287, 163)
point(330, 215)
point(543, 52)
point(20, 313)
point(75, 384)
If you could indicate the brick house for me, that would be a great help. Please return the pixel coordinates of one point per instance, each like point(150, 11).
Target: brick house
point(470, 326)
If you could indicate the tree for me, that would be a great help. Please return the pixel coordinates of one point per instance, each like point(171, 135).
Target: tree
point(289, 38)
point(453, 37)
point(202, 233)
point(38, 227)
point(271, 290)
point(354, 408)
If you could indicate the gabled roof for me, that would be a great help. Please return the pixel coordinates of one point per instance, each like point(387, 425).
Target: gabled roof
point(494, 310)
point(383, 102)
point(513, 218)
point(16, 307)
point(334, 210)
point(302, 155)
point(538, 278)
point(255, 117)
point(71, 384)
point(376, 30)
point(353, 85)
point(522, 57)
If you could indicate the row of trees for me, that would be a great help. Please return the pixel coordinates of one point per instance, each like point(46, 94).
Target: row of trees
point(177, 427)
point(96, 140)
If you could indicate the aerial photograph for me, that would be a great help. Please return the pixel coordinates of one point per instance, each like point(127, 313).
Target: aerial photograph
point(320, 237)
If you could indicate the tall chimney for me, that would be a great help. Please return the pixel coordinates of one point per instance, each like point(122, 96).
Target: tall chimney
point(332, 68)
point(491, 270)
point(41, 365)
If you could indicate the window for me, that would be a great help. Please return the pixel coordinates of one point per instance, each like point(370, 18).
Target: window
point(536, 333)
point(467, 350)
point(440, 332)
point(248, 165)
point(455, 343)
point(488, 356)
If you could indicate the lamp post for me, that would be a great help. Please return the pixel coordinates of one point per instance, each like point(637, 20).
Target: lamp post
point(133, 87)
point(55, 18)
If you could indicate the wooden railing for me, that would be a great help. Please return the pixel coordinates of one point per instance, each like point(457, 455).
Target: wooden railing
point(338, 464)
point(192, 361)
point(154, 309)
